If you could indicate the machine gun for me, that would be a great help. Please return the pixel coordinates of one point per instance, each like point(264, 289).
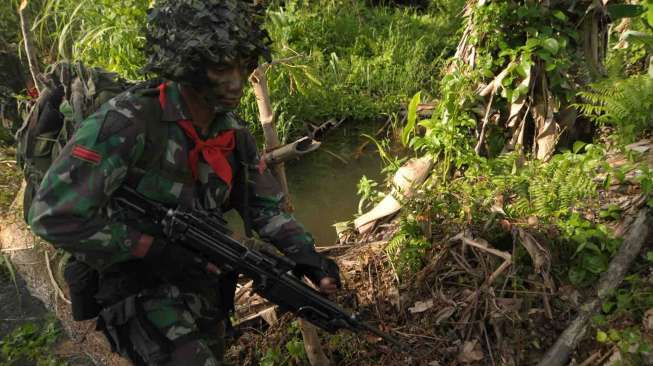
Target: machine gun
point(208, 236)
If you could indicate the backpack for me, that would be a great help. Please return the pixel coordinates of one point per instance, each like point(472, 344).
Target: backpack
point(70, 94)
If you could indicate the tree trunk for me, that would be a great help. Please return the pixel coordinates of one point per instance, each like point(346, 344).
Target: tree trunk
point(312, 344)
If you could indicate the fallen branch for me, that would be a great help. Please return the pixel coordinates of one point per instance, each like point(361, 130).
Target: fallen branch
point(495, 84)
point(328, 249)
point(268, 314)
point(637, 236)
point(471, 242)
point(405, 182)
point(243, 290)
point(591, 360)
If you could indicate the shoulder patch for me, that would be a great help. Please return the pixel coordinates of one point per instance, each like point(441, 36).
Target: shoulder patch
point(86, 154)
point(113, 123)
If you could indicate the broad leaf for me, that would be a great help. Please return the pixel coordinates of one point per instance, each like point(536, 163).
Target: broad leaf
point(578, 146)
point(412, 117)
point(551, 45)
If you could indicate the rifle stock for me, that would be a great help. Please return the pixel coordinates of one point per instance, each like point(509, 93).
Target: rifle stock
point(208, 236)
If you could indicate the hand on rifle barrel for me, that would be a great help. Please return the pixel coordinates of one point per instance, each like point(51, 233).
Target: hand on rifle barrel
point(328, 285)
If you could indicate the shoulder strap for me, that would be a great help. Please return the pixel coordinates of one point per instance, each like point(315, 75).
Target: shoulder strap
point(155, 135)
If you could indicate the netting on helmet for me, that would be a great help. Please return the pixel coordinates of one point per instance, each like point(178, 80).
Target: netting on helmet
point(183, 36)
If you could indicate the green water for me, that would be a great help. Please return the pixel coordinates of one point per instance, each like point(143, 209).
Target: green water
point(323, 187)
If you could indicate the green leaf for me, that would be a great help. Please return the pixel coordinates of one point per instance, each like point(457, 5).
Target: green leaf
point(608, 306)
point(578, 146)
point(646, 184)
point(412, 117)
point(551, 45)
point(558, 14)
point(312, 78)
point(550, 66)
point(577, 275)
point(601, 336)
point(618, 11)
point(644, 348)
point(649, 256)
point(599, 319)
point(532, 43)
point(595, 263)
point(649, 16)
point(614, 335)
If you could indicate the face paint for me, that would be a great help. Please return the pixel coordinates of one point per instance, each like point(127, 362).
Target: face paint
point(225, 86)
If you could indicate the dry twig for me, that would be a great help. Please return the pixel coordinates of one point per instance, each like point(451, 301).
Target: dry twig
point(57, 289)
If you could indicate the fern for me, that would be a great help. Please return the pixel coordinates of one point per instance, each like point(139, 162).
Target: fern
point(626, 104)
point(408, 246)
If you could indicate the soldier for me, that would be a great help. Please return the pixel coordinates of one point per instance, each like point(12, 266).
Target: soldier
point(179, 143)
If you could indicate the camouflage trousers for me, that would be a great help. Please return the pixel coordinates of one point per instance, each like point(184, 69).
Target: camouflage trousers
point(166, 326)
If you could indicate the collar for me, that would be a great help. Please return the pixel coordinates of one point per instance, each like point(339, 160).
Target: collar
point(174, 107)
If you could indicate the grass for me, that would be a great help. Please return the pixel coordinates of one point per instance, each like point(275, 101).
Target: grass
point(350, 60)
point(353, 61)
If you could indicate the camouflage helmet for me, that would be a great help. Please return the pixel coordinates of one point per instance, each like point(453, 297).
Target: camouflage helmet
point(183, 36)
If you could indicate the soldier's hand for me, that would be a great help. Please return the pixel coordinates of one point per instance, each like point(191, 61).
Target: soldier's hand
point(328, 285)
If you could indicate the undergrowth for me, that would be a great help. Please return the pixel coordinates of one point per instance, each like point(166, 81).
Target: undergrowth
point(354, 61)
point(336, 59)
point(623, 103)
point(482, 191)
point(31, 342)
point(626, 317)
point(291, 352)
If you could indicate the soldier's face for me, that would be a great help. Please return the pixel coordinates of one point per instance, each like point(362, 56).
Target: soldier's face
point(226, 83)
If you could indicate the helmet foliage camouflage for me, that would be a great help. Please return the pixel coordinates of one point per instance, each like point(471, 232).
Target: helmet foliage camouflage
point(184, 35)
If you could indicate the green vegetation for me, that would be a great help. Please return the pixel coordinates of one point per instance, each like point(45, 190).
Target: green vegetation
point(8, 23)
point(618, 322)
point(623, 103)
point(336, 59)
point(478, 190)
point(292, 352)
point(31, 342)
point(352, 61)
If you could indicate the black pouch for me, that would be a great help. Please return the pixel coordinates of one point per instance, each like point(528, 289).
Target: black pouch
point(132, 335)
point(82, 280)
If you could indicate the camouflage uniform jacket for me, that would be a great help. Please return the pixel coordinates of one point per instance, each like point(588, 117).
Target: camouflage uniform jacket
point(72, 208)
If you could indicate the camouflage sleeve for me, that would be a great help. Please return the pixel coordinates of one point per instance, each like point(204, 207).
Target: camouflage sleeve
point(70, 209)
point(267, 218)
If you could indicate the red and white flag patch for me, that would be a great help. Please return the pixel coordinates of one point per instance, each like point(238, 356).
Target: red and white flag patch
point(86, 154)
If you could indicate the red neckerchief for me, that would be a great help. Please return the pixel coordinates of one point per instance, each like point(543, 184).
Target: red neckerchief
point(215, 150)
